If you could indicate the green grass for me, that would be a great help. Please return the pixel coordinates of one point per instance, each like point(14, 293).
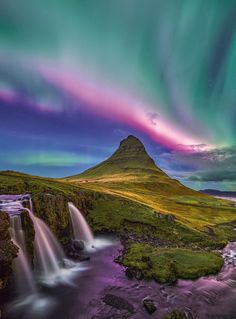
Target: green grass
point(105, 211)
point(124, 216)
point(195, 210)
point(167, 265)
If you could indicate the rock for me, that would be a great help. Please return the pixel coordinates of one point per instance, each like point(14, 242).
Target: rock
point(132, 272)
point(160, 215)
point(149, 305)
point(119, 259)
point(176, 314)
point(77, 245)
point(84, 258)
point(168, 217)
point(77, 256)
point(118, 302)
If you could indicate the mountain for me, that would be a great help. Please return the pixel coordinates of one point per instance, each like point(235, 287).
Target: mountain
point(131, 158)
point(215, 192)
point(132, 174)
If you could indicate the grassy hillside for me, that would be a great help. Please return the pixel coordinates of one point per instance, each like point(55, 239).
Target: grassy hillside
point(105, 212)
point(130, 173)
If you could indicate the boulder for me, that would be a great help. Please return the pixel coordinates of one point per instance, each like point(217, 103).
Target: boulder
point(77, 245)
point(149, 305)
point(118, 302)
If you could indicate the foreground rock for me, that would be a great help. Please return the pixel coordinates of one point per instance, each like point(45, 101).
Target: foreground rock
point(77, 256)
point(149, 305)
point(77, 245)
point(75, 251)
point(118, 302)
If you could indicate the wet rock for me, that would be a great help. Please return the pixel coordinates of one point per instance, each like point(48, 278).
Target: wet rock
point(77, 256)
point(132, 272)
point(118, 302)
point(119, 259)
point(77, 245)
point(149, 305)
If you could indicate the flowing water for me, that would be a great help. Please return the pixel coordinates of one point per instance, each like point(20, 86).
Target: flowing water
point(49, 254)
point(81, 296)
point(81, 230)
point(23, 273)
point(210, 297)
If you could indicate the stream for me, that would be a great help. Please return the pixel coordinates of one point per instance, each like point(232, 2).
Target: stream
point(80, 294)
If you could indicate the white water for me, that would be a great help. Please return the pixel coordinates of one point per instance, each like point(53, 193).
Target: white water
point(81, 230)
point(49, 254)
point(23, 273)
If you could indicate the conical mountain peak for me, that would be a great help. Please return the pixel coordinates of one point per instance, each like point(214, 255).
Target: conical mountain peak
point(131, 140)
point(130, 158)
point(131, 146)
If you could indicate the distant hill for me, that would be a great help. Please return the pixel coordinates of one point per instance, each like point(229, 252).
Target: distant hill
point(132, 174)
point(215, 192)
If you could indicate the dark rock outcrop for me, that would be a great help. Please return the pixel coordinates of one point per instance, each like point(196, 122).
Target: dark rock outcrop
point(77, 245)
point(132, 272)
point(8, 251)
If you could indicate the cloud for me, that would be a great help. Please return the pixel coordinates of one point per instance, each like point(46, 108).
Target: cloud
point(215, 165)
point(214, 176)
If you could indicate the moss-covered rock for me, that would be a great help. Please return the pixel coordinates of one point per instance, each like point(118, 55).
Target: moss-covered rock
point(176, 314)
point(168, 264)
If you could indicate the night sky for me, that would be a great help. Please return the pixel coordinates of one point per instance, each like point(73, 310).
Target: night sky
point(77, 76)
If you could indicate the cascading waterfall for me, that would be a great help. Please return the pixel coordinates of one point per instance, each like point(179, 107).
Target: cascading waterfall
point(23, 273)
point(81, 230)
point(49, 254)
point(49, 258)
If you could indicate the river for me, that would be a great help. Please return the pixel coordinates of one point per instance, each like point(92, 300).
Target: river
point(80, 295)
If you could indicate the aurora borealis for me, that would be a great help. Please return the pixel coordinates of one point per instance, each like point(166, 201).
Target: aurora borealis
point(78, 76)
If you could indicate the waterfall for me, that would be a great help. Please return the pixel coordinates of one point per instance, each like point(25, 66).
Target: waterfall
point(81, 230)
point(23, 274)
point(49, 254)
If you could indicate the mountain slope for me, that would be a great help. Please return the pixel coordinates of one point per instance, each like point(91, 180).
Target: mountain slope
point(131, 173)
point(130, 158)
point(131, 163)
